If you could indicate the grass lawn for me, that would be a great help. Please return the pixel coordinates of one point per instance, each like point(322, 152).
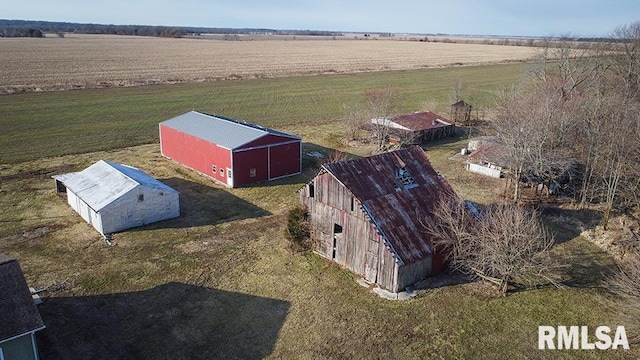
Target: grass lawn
point(220, 282)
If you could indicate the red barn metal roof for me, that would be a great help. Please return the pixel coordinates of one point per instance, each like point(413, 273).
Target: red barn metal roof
point(398, 190)
point(220, 130)
point(422, 120)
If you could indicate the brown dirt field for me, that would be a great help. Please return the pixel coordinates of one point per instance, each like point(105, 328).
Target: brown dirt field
point(82, 61)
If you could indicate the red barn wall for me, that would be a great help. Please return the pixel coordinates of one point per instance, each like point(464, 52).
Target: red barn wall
point(285, 159)
point(195, 153)
point(244, 161)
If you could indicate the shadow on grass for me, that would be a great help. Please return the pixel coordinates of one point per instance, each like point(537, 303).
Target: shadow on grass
point(567, 224)
point(457, 136)
point(586, 265)
point(170, 321)
point(203, 205)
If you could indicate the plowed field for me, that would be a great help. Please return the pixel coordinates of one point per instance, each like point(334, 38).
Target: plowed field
point(87, 61)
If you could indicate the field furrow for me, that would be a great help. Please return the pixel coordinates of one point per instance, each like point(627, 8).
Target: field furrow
point(79, 61)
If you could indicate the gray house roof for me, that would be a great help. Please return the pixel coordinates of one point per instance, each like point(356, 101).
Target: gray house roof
point(219, 130)
point(18, 312)
point(103, 182)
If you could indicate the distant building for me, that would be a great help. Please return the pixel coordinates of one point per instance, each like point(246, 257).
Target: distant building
point(114, 197)
point(19, 316)
point(367, 215)
point(416, 128)
point(232, 152)
point(461, 112)
point(487, 156)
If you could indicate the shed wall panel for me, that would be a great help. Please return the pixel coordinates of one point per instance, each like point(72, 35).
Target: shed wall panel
point(20, 348)
point(129, 211)
point(414, 272)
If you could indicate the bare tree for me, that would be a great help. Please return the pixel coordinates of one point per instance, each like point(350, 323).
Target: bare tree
point(618, 163)
point(458, 87)
point(504, 245)
point(593, 115)
point(382, 103)
point(535, 127)
point(354, 118)
point(625, 284)
point(626, 56)
point(334, 155)
point(566, 67)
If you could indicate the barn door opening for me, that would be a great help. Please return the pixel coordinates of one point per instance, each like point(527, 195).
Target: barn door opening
point(371, 266)
point(337, 238)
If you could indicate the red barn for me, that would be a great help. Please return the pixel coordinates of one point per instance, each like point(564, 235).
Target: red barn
point(231, 152)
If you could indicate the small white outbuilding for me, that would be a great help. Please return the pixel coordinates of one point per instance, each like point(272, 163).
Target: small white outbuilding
point(114, 197)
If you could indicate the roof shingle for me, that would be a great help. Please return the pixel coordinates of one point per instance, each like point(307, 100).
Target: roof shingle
point(18, 312)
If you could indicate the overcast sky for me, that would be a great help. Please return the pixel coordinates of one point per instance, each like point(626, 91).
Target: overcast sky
point(473, 17)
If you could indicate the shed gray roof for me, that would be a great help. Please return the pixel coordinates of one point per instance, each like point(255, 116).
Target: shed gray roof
point(18, 312)
point(219, 130)
point(103, 182)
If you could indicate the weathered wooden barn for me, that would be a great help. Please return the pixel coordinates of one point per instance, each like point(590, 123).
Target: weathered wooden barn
point(416, 128)
point(231, 152)
point(114, 197)
point(19, 316)
point(367, 215)
point(461, 112)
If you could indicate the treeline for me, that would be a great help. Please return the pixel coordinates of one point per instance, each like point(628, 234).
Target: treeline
point(26, 28)
point(14, 31)
point(20, 28)
point(577, 116)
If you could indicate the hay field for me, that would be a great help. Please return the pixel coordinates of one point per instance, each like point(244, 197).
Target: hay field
point(82, 61)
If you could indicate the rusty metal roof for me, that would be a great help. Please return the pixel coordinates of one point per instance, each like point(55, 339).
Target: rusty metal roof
point(422, 120)
point(492, 152)
point(396, 202)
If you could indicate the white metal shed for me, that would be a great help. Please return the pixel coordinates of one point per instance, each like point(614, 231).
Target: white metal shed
point(114, 197)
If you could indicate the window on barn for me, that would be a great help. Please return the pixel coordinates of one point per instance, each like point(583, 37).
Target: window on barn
point(229, 173)
point(213, 169)
point(221, 172)
point(404, 180)
point(353, 204)
point(141, 197)
point(312, 190)
point(337, 234)
point(252, 172)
